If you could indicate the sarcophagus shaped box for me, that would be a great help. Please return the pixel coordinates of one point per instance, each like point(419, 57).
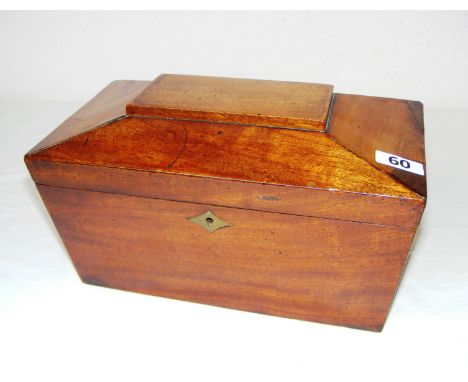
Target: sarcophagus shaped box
point(273, 197)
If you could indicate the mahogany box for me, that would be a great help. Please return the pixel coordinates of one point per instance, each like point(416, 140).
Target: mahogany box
point(273, 197)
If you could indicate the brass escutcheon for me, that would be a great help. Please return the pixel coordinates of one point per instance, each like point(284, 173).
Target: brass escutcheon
point(209, 221)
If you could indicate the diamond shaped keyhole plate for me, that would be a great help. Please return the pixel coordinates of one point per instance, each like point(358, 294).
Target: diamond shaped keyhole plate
point(209, 221)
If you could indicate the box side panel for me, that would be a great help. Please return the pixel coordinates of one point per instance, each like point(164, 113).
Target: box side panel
point(314, 269)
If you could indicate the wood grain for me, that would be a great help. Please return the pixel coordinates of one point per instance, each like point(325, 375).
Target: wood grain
point(319, 230)
point(106, 106)
point(247, 153)
point(332, 204)
point(255, 102)
point(312, 269)
point(364, 124)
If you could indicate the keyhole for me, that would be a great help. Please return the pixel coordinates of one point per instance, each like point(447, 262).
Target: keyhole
point(209, 221)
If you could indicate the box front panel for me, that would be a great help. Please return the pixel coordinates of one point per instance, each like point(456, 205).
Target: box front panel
point(315, 269)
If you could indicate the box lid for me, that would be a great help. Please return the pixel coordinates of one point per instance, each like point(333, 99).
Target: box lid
point(146, 139)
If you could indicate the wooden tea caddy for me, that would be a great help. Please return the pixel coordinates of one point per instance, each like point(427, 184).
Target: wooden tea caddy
point(264, 196)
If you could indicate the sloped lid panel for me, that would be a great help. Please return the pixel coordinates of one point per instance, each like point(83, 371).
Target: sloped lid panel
point(106, 106)
point(365, 125)
point(245, 153)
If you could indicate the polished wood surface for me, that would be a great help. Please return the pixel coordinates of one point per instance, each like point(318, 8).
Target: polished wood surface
point(319, 230)
point(332, 204)
point(247, 153)
point(106, 106)
point(323, 270)
point(255, 102)
point(364, 124)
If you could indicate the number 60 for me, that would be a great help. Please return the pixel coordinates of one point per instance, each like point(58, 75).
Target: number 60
point(402, 162)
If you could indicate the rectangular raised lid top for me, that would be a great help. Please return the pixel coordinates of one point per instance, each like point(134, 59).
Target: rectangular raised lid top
point(294, 105)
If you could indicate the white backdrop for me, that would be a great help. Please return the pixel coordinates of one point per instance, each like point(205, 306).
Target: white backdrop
point(54, 328)
point(70, 56)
